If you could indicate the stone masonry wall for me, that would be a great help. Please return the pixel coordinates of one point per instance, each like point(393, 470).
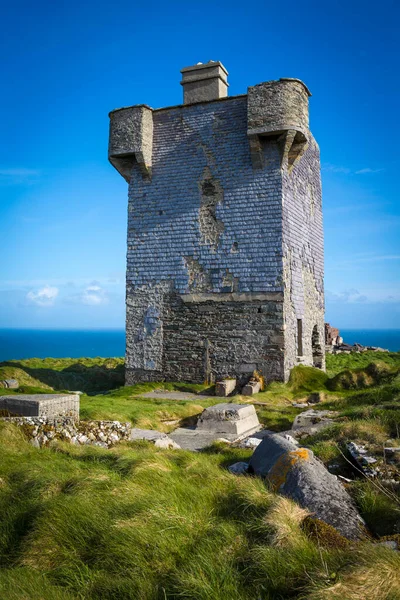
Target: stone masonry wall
point(303, 257)
point(205, 223)
point(204, 341)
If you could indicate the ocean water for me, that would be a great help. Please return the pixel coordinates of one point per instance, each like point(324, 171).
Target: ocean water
point(383, 338)
point(34, 343)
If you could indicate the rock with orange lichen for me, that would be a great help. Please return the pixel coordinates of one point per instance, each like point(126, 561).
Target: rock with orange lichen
point(296, 473)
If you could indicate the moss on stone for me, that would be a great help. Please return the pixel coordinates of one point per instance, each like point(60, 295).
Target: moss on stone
point(323, 534)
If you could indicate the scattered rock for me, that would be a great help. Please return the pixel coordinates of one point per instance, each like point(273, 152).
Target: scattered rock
point(158, 438)
point(44, 430)
point(311, 421)
point(363, 461)
point(167, 444)
point(11, 384)
point(392, 450)
point(225, 387)
point(239, 468)
point(392, 544)
point(150, 435)
point(295, 472)
point(252, 442)
point(345, 479)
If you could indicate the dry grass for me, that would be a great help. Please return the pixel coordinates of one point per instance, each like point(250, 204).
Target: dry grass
point(285, 518)
point(374, 575)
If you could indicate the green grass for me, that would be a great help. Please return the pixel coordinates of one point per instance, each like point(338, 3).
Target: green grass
point(356, 360)
point(307, 379)
point(91, 375)
point(126, 404)
point(136, 522)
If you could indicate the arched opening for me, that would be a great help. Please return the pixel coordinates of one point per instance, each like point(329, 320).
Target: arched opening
point(316, 348)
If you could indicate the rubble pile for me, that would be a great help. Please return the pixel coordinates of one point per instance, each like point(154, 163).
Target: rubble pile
point(334, 343)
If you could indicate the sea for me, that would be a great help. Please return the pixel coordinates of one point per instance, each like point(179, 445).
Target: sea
point(18, 344)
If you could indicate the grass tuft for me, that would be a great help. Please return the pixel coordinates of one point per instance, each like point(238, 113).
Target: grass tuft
point(307, 379)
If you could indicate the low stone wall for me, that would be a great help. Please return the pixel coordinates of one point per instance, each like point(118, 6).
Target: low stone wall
point(42, 431)
point(41, 405)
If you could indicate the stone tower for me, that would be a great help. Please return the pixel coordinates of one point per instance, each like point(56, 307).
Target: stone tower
point(225, 241)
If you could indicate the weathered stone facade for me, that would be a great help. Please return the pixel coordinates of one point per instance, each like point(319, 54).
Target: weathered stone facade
point(225, 245)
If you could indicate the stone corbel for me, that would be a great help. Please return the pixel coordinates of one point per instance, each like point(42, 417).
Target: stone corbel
point(292, 145)
point(131, 140)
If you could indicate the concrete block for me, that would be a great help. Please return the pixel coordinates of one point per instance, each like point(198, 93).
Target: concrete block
point(251, 388)
point(41, 405)
point(228, 418)
point(225, 387)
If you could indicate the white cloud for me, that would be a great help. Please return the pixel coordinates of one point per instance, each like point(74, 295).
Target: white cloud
point(353, 296)
point(94, 295)
point(19, 175)
point(45, 296)
point(370, 259)
point(345, 170)
point(335, 168)
point(368, 170)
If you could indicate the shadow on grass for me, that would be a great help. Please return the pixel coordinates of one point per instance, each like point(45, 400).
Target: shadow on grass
point(23, 507)
point(91, 379)
point(121, 465)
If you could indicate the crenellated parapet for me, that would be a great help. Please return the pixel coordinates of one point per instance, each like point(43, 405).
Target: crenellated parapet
point(280, 109)
point(131, 140)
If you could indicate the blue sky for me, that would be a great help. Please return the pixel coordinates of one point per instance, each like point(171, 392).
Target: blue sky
point(63, 207)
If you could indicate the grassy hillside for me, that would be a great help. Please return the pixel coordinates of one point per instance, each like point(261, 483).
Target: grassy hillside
point(135, 522)
point(89, 375)
point(339, 362)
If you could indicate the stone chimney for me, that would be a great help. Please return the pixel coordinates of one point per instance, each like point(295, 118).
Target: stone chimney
point(204, 82)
